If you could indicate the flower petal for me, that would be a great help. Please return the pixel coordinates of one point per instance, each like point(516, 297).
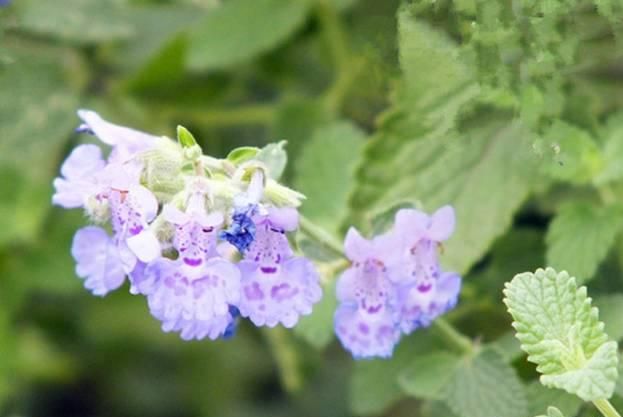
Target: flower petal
point(363, 336)
point(356, 247)
point(286, 218)
point(144, 245)
point(98, 260)
point(442, 224)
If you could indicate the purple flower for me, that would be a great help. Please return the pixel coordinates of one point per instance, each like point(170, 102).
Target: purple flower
point(365, 321)
point(126, 142)
point(98, 260)
point(425, 291)
point(192, 300)
point(79, 179)
point(241, 231)
point(277, 287)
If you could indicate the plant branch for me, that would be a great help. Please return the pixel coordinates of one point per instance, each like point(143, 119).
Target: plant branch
point(606, 408)
point(454, 338)
point(320, 235)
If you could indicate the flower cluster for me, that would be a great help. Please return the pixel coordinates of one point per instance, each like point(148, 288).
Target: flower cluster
point(395, 284)
point(203, 239)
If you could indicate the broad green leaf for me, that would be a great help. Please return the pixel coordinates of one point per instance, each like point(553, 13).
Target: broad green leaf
point(612, 151)
point(610, 307)
point(540, 398)
point(239, 30)
point(507, 346)
point(275, 158)
point(562, 333)
point(485, 171)
point(574, 155)
point(485, 386)
point(76, 21)
point(580, 237)
point(317, 328)
point(375, 385)
point(39, 118)
point(324, 172)
point(428, 374)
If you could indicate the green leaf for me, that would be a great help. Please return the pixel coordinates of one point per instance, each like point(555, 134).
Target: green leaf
point(485, 170)
point(185, 138)
point(242, 154)
point(562, 334)
point(428, 374)
point(274, 157)
point(612, 151)
point(317, 328)
point(76, 21)
point(574, 157)
point(610, 307)
point(42, 115)
point(580, 237)
point(486, 386)
point(540, 399)
point(374, 384)
point(324, 172)
point(239, 30)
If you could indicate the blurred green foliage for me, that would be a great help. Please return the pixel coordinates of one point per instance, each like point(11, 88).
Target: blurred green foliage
point(512, 111)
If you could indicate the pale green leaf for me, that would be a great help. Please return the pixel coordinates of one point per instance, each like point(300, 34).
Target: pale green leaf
point(485, 386)
point(76, 21)
point(562, 334)
point(428, 374)
point(324, 172)
point(274, 157)
point(610, 312)
point(580, 237)
point(239, 30)
point(613, 151)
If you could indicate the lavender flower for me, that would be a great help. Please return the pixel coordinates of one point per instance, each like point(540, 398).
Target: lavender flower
point(365, 321)
point(79, 179)
point(277, 287)
point(425, 291)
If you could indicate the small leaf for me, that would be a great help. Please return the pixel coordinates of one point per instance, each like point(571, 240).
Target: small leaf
point(562, 334)
point(242, 154)
point(275, 158)
point(580, 237)
point(239, 30)
point(428, 374)
point(185, 138)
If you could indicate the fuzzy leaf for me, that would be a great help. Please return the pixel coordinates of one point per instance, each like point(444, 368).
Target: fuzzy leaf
point(428, 374)
point(562, 333)
point(610, 308)
point(275, 158)
point(239, 30)
point(580, 237)
point(541, 398)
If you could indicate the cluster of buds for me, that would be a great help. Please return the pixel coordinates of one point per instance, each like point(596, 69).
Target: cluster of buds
point(395, 284)
point(203, 239)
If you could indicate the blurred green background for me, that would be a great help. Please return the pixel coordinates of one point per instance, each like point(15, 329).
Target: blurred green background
point(509, 110)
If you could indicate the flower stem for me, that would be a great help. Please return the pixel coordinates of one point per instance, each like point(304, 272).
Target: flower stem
point(287, 358)
point(454, 338)
point(606, 408)
point(320, 235)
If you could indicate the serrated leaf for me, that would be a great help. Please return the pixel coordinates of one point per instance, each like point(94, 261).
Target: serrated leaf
point(274, 157)
point(428, 374)
point(239, 30)
point(486, 386)
point(324, 172)
point(41, 112)
point(540, 398)
point(484, 171)
point(580, 237)
point(562, 334)
point(76, 21)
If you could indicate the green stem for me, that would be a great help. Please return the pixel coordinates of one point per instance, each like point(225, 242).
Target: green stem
point(286, 357)
point(606, 408)
point(454, 338)
point(320, 235)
